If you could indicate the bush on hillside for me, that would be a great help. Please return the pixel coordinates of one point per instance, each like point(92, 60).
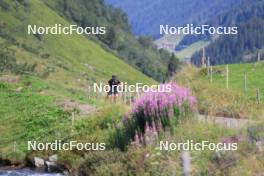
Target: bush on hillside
point(157, 112)
point(8, 62)
point(135, 161)
point(5, 6)
point(7, 58)
point(30, 48)
point(256, 132)
point(25, 3)
point(103, 163)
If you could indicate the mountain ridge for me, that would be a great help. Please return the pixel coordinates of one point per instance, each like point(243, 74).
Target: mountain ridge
point(146, 16)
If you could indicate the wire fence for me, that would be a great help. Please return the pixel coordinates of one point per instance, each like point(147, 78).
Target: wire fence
point(258, 92)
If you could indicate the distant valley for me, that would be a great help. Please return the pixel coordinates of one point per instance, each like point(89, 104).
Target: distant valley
point(247, 15)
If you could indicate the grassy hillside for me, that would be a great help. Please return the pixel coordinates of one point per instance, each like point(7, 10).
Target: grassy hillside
point(69, 57)
point(139, 52)
point(190, 50)
point(37, 115)
point(215, 99)
point(254, 72)
point(65, 66)
point(170, 42)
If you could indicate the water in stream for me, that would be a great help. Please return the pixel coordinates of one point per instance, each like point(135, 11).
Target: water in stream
point(26, 172)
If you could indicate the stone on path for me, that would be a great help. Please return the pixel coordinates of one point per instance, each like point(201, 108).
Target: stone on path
point(10, 78)
point(84, 109)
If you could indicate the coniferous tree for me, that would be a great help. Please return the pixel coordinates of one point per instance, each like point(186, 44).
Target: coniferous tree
point(173, 65)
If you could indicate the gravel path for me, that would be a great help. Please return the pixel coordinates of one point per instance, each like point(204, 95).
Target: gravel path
point(225, 121)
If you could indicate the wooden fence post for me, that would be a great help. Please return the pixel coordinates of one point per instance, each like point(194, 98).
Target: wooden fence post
point(130, 98)
point(73, 119)
point(258, 96)
point(245, 81)
point(14, 146)
point(90, 93)
point(121, 96)
point(124, 97)
point(186, 162)
point(211, 74)
point(227, 76)
point(208, 66)
point(203, 59)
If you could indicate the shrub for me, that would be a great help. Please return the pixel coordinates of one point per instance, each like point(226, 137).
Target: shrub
point(47, 71)
point(39, 36)
point(45, 56)
point(103, 163)
point(7, 58)
point(155, 112)
point(256, 132)
point(5, 6)
point(24, 68)
point(30, 48)
point(8, 61)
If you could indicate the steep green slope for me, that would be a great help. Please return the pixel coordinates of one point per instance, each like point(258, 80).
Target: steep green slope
point(67, 58)
point(34, 114)
point(139, 52)
point(31, 109)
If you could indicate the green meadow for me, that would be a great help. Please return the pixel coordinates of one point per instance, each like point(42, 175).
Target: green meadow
point(237, 81)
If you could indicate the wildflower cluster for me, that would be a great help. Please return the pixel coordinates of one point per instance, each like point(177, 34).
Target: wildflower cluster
point(154, 112)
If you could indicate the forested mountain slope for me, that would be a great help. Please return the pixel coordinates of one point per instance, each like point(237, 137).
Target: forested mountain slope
point(243, 47)
point(145, 16)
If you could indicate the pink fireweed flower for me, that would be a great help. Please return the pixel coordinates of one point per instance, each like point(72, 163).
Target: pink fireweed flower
point(125, 117)
point(141, 138)
point(159, 126)
point(152, 106)
point(147, 128)
point(153, 126)
point(136, 141)
point(136, 138)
